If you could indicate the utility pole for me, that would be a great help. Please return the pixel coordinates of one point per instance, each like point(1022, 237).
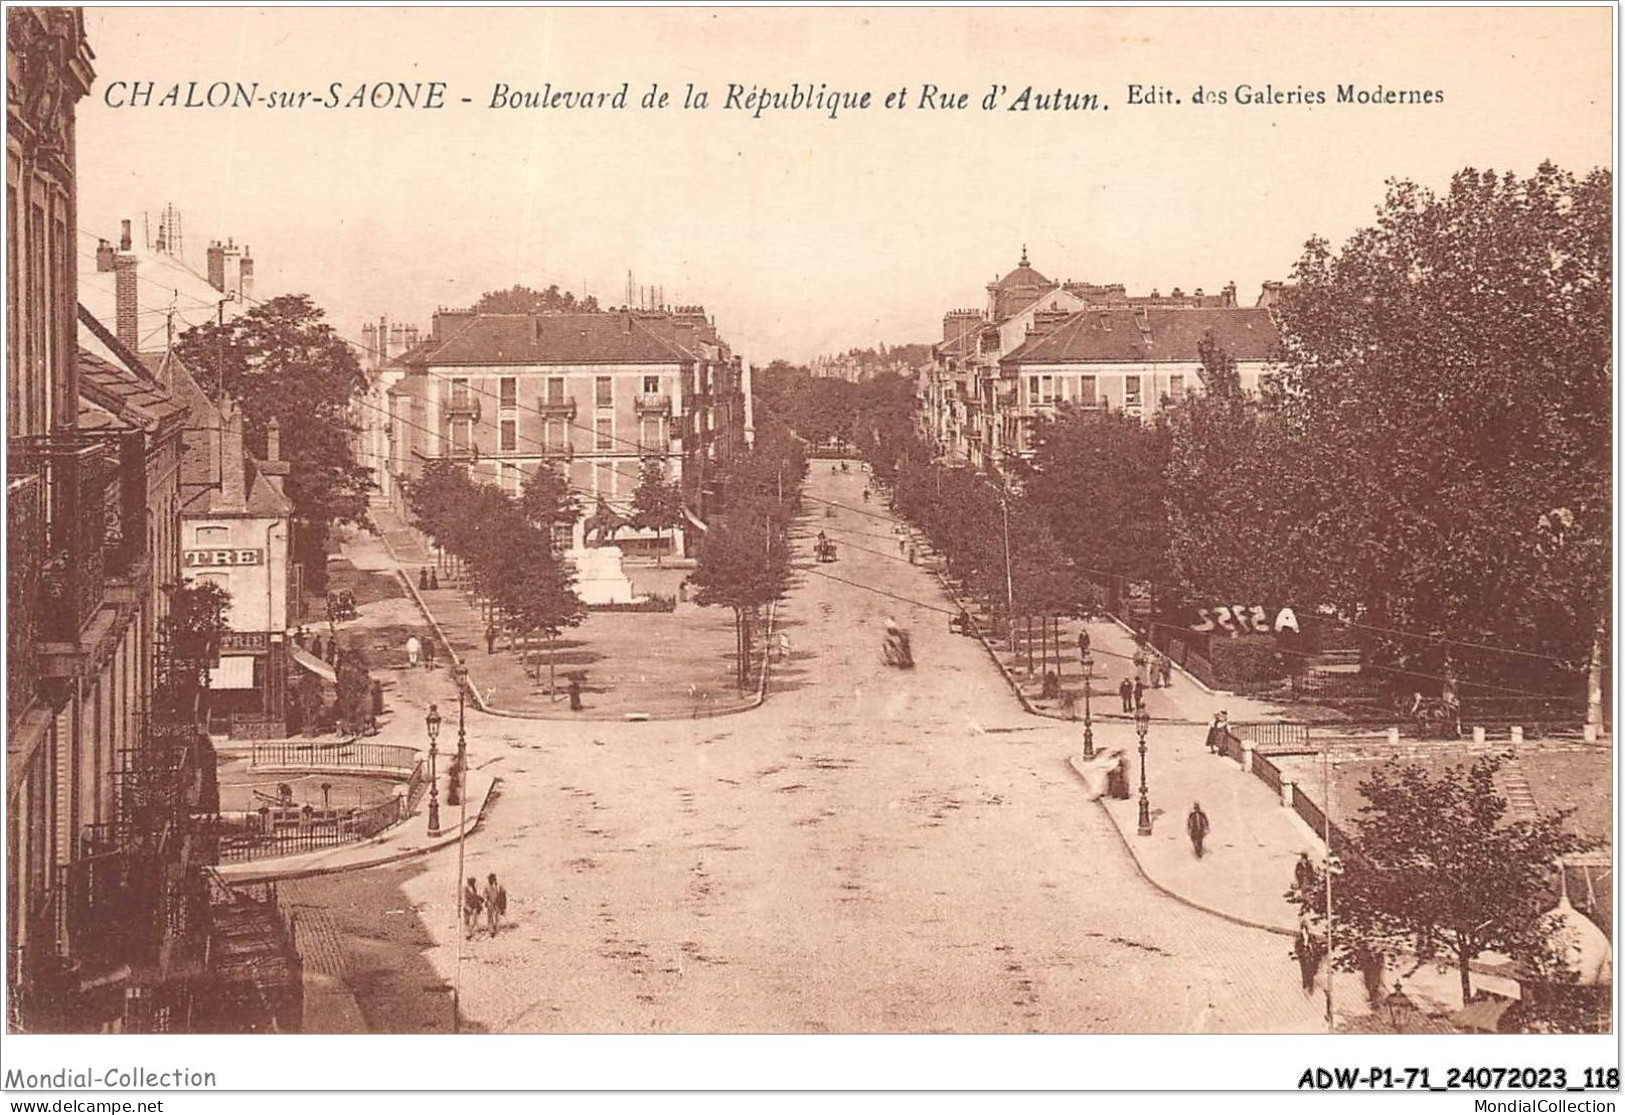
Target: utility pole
point(1326, 813)
point(1009, 578)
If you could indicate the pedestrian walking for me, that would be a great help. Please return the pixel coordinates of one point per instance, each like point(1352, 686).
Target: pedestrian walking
point(1303, 873)
point(1083, 642)
point(1139, 666)
point(434, 581)
point(472, 904)
point(575, 694)
point(1215, 735)
point(1309, 949)
point(423, 578)
point(1139, 694)
point(333, 650)
point(496, 903)
point(491, 639)
point(413, 649)
point(1167, 665)
point(316, 647)
point(1196, 824)
point(1126, 691)
point(429, 652)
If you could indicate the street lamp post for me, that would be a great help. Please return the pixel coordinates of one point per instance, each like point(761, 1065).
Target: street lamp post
point(1088, 720)
point(1142, 721)
point(432, 722)
point(455, 787)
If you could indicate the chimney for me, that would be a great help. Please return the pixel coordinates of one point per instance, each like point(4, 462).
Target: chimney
point(124, 236)
point(126, 302)
point(104, 256)
point(274, 468)
point(233, 495)
point(245, 272)
point(216, 256)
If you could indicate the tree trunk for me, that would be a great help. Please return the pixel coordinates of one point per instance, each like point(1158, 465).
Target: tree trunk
point(552, 653)
point(1594, 670)
point(1464, 956)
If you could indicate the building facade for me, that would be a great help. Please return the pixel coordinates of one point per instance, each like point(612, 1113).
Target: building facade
point(103, 902)
point(235, 533)
point(594, 395)
point(997, 369)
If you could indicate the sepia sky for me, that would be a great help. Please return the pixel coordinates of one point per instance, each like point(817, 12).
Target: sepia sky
point(803, 234)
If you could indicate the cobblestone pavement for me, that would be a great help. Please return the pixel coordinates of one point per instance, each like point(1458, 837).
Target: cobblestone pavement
point(874, 850)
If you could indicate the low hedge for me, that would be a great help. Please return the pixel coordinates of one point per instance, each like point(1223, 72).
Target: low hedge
point(655, 603)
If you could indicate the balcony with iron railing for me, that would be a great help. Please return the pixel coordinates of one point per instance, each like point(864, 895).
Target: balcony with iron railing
point(559, 407)
point(652, 402)
point(84, 524)
point(25, 558)
point(462, 404)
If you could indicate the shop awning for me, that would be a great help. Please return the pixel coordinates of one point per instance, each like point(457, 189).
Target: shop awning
point(236, 672)
point(315, 665)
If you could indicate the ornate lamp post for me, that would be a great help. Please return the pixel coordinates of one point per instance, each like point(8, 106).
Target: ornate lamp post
point(1088, 719)
point(1142, 721)
point(432, 723)
point(454, 787)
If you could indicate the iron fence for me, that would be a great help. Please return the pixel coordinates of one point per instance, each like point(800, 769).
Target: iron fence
point(349, 754)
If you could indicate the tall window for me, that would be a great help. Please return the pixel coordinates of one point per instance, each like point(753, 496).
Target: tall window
point(508, 435)
point(1032, 390)
point(555, 435)
point(459, 392)
point(604, 434)
point(603, 479)
point(508, 391)
point(1176, 387)
point(555, 389)
point(650, 433)
point(651, 385)
point(510, 478)
point(604, 391)
point(1131, 391)
point(1086, 391)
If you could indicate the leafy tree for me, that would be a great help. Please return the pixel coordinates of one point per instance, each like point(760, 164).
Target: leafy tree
point(1447, 386)
point(657, 504)
point(523, 300)
point(548, 499)
point(191, 627)
point(282, 360)
point(1437, 871)
point(744, 564)
point(1098, 480)
point(1236, 500)
point(354, 692)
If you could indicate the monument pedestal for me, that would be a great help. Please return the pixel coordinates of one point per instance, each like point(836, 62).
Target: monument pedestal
point(600, 579)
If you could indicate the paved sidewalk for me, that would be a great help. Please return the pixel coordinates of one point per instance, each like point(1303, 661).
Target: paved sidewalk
point(1253, 842)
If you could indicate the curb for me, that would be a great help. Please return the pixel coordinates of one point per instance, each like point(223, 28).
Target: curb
point(443, 840)
point(1128, 846)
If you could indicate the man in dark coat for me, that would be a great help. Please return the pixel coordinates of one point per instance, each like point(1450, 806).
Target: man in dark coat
point(1196, 825)
point(1126, 691)
point(1215, 737)
point(1303, 873)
